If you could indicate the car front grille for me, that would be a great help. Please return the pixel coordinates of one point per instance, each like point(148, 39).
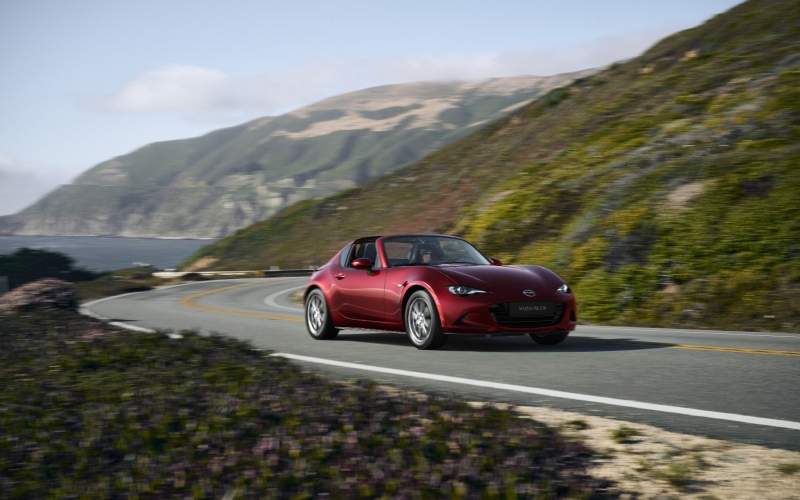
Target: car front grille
point(503, 318)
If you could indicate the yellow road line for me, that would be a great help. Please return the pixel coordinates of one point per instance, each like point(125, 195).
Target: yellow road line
point(189, 302)
point(692, 347)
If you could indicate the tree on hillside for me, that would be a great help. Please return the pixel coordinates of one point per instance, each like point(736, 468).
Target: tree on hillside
point(27, 264)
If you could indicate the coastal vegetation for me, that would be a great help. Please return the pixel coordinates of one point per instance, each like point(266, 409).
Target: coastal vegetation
point(88, 410)
point(91, 411)
point(27, 264)
point(663, 189)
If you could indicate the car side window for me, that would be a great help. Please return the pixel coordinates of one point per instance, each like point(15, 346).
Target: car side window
point(370, 251)
point(354, 251)
point(343, 262)
point(361, 250)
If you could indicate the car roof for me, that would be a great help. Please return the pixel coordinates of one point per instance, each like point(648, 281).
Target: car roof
point(406, 235)
point(415, 235)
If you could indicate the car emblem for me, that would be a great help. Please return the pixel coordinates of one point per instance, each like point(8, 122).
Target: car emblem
point(529, 293)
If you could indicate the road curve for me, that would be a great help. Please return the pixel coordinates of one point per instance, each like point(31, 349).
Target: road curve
point(729, 385)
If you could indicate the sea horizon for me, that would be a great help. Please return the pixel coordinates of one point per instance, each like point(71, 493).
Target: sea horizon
point(108, 253)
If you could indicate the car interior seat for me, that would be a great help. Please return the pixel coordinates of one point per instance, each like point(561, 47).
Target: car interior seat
point(371, 253)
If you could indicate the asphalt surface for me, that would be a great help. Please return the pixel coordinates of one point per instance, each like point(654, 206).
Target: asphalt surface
point(741, 375)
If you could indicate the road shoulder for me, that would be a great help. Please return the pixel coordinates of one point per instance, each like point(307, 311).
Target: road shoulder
point(656, 463)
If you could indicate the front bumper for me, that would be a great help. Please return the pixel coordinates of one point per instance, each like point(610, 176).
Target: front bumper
point(489, 314)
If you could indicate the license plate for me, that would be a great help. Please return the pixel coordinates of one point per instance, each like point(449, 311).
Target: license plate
point(531, 309)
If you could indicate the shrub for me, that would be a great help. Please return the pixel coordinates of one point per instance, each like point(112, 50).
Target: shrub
point(623, 434)
point(147, 416)
point(677, 474)
point(27, 265)
point(578, 425)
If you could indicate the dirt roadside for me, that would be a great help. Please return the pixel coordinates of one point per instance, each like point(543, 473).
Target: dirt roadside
point(646, 462)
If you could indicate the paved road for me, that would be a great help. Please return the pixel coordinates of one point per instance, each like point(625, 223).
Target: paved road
point(744, 377)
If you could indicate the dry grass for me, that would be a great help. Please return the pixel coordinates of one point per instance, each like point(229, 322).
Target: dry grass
point(661, 464)
point(680, 197)
point(297, 298)
point(200, 264)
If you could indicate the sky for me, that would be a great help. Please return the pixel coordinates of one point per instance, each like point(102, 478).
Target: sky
point(84, 81)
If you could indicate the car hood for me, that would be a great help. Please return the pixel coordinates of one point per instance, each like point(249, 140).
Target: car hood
point(491, 278)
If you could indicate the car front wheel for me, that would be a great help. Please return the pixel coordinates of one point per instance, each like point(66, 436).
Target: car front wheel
point(422, 322)
point(318, 318)
point(550, 338)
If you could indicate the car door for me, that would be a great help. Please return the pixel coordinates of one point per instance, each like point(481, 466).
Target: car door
point(398, 253)
point(357, 294)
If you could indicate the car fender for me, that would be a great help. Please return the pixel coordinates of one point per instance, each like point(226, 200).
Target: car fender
point(321, 279)
point(432, 279)
point(414, 286)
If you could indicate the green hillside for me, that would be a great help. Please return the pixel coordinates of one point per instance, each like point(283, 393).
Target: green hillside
point(212, 185)
point(665, 189)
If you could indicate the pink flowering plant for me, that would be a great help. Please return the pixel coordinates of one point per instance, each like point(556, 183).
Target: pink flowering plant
point(48, 293)
point(119, 414)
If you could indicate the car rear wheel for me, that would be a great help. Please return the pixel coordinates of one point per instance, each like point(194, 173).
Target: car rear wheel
point(550, 338)
point(318, 318)
point(422, 322)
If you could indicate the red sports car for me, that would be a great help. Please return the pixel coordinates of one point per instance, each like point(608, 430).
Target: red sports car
point(432, 286)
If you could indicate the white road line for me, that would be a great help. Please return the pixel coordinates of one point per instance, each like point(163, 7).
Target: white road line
point(89, 304)
point(270, 300)
point(785, 424)
point(131, 327)
point(84, 309)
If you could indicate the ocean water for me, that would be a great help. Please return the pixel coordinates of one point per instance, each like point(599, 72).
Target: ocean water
point(105, 254)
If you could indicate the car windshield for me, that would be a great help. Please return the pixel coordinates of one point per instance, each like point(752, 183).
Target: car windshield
point(430, 251)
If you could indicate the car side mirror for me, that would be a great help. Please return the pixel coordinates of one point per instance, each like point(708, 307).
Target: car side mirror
point(496, 262)
point(362, 263)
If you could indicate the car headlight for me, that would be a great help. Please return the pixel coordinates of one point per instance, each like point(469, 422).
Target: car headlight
point(463, 290)
point(563, 288)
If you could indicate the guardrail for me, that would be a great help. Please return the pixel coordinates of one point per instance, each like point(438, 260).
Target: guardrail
point(288, 273)
point(271, 273)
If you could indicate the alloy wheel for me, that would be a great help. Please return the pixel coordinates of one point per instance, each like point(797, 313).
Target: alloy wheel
point(420, 320)
point(316, 314)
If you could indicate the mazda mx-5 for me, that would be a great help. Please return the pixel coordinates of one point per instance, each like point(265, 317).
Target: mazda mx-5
point(432, 286)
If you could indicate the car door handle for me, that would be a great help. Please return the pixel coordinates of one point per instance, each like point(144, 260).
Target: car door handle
point(340, 276)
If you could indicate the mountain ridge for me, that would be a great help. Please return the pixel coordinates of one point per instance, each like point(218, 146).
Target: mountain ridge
point(211, 185)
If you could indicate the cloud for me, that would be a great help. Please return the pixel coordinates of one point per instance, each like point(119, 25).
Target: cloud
point(174, 88)
point(23, 182)
point(203, 94)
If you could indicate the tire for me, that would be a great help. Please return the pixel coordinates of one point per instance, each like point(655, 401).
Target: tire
point(550, 338)
point(422, 322)
point(318, 318)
